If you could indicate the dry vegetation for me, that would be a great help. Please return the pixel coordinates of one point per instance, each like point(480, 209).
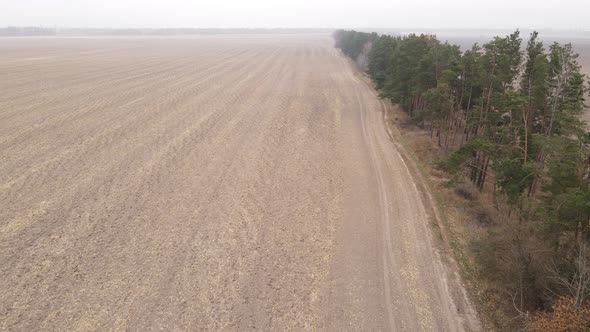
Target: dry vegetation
point(165, 183)
point(207, 183)
point(517, 186)
point(476, 227)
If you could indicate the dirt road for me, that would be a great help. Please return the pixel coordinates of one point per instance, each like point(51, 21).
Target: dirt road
point(207, 183)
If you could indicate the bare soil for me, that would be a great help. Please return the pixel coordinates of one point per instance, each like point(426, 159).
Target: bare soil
point(208, 183)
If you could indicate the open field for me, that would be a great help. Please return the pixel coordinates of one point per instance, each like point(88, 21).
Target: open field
point(208, 183)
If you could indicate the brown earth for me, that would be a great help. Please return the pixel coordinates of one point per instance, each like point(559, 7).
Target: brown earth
point(208, 183)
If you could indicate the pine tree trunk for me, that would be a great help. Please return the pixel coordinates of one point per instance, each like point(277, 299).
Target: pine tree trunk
point(457, 125)
point(476, 168)
point(473, 171)
point(448, 130)
point(490, 91)
point(482, 176)
point(540, 161)
point(476, 128)
point(431, 129)
point(465, 137)
point(525, 120)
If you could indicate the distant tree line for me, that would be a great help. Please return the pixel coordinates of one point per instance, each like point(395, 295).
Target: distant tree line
point(40, 31)
point(26, 31)
point(508, 113)
point(356, 45)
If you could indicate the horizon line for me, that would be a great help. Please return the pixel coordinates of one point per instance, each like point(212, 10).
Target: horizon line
point(295, 28)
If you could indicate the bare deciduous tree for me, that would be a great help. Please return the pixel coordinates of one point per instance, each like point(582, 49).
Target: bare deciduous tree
point(576, 282)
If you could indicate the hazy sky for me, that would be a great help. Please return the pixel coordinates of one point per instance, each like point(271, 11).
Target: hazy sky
point(557, 14)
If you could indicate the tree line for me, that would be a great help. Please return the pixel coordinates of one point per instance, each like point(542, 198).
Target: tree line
point(26, 31)
point(506, 115)
point(44, 31)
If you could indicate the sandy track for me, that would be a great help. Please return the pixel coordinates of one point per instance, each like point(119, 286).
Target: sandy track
point(210, 183)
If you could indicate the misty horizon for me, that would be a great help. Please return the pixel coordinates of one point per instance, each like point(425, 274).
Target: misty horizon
point(263, 14)
point(360, 28)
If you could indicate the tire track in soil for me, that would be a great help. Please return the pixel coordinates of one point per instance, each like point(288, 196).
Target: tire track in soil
point(208, 183)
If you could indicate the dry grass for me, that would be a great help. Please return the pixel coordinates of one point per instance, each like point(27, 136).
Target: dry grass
point(472, 224)
point(207, 183)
